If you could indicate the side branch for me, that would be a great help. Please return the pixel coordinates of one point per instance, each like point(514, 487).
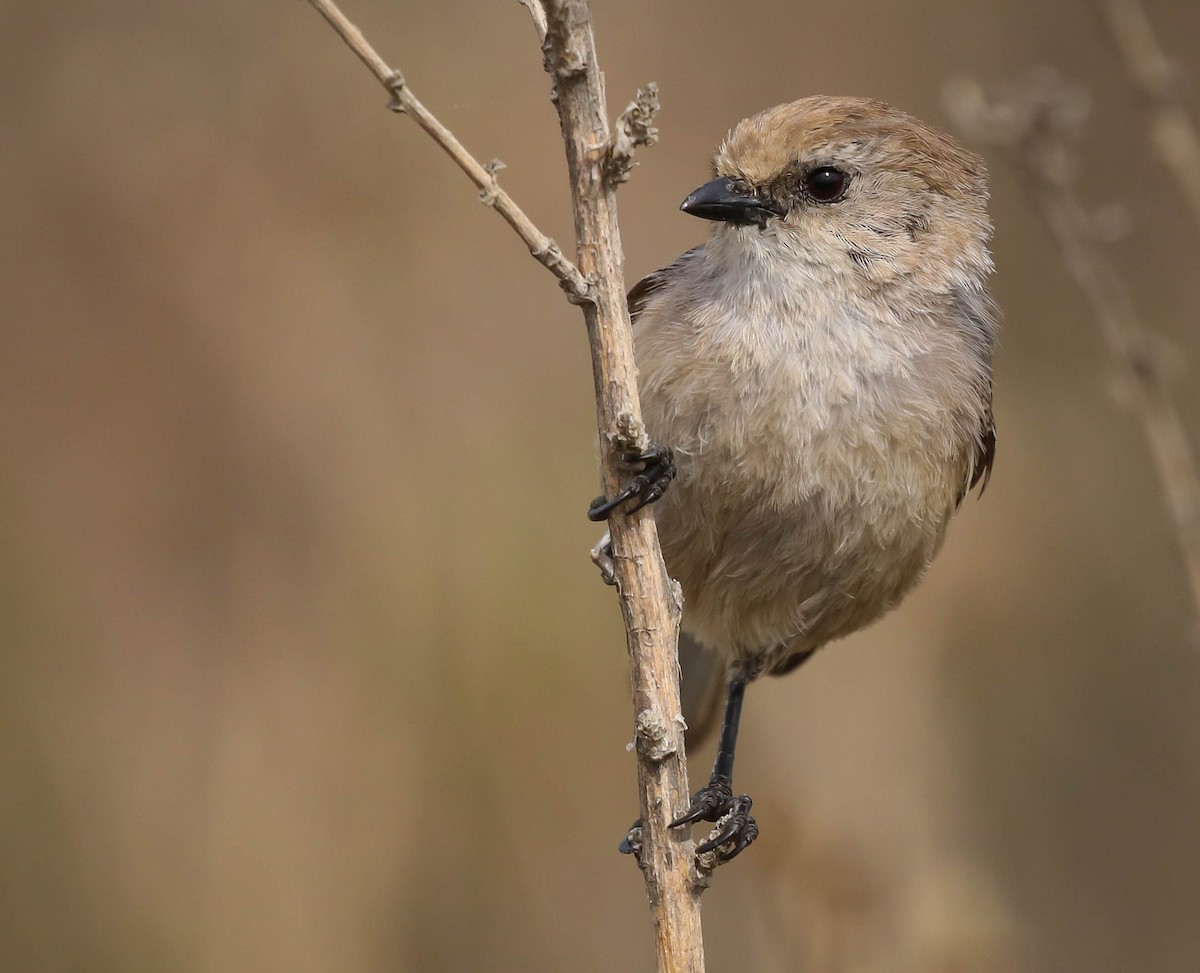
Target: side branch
point(538, 14)
point(542, 247)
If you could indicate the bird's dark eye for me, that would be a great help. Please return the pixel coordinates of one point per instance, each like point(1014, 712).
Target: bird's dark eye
point(826, 184)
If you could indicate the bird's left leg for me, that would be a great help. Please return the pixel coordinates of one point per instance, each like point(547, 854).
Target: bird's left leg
point(655, 469)
point(715, 801)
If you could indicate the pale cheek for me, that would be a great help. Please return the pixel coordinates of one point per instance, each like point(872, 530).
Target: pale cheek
point(812, 247)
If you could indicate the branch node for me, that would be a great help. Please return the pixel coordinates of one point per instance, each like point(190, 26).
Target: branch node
point(564, 62)
point(635, 127)
point(396, 84)
point(629, 433)
point(1154, 358)
point(580, 298)
point(565, 48)
point(489, 194)
point(653, 737)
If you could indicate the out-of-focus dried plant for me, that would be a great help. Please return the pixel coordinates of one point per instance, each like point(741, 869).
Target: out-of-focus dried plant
point(1159, 79)
point(1037, 121)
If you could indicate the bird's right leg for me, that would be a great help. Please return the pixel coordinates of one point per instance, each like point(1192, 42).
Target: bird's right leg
point(715, 801)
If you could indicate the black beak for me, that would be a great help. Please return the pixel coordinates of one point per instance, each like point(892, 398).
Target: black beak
point(720, 200)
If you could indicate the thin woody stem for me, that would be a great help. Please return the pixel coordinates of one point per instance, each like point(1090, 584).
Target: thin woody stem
point(650, 600)
point(542, 247)
point(538, 13)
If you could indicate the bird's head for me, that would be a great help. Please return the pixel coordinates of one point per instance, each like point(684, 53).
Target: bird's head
point(850, 191)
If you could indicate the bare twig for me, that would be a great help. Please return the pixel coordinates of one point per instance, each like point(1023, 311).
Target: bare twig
point(1038, 123)
point(650, 600)
point(1159, 80)
point(544, 249)
point(538, 14)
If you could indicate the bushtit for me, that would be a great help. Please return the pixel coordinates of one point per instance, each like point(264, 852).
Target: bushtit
point(819, 374)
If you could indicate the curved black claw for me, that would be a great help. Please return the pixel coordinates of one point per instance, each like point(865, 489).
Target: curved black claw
point(656, 470)
point(736, 827)
point(736, 831)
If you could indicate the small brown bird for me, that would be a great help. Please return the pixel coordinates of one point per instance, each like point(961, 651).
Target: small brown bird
point(819, 374)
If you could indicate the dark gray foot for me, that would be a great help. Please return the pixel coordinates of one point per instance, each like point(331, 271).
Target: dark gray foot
point(715, 801)
point(655, 469)
point(736, 827)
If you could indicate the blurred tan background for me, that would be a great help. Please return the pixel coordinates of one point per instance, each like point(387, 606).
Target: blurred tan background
point(303, 665)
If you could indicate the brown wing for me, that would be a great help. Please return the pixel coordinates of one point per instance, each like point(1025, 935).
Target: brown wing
point(641, 292)
point(976, 314)
point(985, 455)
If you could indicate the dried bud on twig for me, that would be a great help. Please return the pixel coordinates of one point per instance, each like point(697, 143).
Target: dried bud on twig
point(635, 127)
